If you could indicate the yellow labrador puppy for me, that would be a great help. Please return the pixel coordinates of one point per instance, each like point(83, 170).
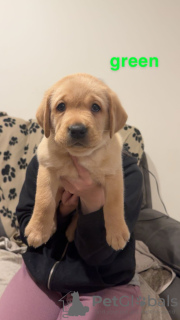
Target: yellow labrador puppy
point(81, 116)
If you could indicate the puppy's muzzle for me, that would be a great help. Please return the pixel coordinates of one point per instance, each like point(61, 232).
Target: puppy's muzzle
point(77, 131)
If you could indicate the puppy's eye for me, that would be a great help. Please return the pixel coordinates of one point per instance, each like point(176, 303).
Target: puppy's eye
point(61, 107)
point(95, 107)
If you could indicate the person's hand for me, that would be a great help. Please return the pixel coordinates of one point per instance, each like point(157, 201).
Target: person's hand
point(69, 203)
point(92, 195)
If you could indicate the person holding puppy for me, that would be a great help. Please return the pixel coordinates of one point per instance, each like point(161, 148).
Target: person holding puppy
point(88, 265)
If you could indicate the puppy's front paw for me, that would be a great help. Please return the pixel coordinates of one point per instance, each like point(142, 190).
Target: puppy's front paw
point(118, 237)
point(35, 238)
point(38, 235)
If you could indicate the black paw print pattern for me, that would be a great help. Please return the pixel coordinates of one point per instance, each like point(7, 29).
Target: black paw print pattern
point(22, 163)
point(12, 194)
point(126, 127)
point(1, 129)
point(137, 135)
point(142, 146)
point(6, 212)
point(2, 114)
point(24, 129)
point(35, 148)
point(14, 223)
point(1, 195)
point(26, 148)
point(9, 122)
point(7, 155)
point(33, 127)
point(13, 141)
point(126, 146)
point(8, 173)
point(136, 155)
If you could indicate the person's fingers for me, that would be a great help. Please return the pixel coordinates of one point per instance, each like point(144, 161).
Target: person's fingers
point(73, 200)
point(66, 196)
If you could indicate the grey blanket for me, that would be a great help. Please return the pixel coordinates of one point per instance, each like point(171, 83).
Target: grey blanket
point(154, 278)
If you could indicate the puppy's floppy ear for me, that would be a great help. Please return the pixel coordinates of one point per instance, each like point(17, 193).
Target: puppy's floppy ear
point(117, 114)
point(43, 113)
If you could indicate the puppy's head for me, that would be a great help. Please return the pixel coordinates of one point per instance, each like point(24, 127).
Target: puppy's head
point(81, 113)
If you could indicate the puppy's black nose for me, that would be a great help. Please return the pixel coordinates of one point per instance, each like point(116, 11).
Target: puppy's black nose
point(77, 131)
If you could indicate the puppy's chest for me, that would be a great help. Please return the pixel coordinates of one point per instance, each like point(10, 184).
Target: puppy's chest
point(97, 169)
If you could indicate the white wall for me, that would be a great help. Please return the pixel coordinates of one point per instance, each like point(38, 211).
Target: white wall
point(42, 41)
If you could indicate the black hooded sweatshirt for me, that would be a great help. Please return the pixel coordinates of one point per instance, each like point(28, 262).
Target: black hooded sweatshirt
point(89, 264)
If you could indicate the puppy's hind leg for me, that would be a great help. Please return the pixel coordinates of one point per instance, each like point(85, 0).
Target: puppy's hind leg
point(43, 221)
